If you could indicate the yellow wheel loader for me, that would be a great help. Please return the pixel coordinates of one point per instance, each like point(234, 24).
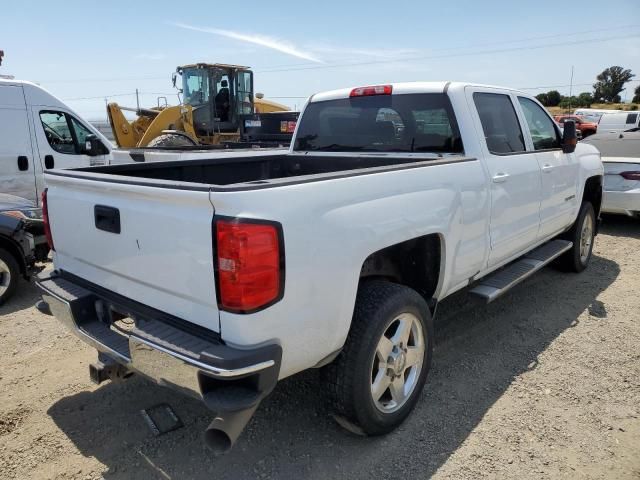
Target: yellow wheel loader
point(215, 97)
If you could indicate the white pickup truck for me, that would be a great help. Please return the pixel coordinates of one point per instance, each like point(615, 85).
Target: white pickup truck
point(220, 277)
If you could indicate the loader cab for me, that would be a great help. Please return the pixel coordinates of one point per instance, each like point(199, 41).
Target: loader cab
point(219, 95)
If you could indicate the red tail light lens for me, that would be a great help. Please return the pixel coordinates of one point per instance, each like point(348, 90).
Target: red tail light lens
point(250, 265)
point(45, 219)
point(372, 90)
point(630, 175)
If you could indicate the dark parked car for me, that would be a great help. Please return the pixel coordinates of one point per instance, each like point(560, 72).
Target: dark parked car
point(22, 242)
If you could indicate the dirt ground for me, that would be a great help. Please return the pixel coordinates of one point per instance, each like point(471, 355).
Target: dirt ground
point(543, 383)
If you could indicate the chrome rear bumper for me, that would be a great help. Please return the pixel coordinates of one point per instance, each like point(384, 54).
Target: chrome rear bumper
point(157, 347)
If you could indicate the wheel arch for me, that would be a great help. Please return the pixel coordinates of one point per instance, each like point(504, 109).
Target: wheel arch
point(592, 192)
point(417, 263)
point(14, 249)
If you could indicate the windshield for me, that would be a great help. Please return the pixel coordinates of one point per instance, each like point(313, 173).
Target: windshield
point(381, 123)
point(195, 86)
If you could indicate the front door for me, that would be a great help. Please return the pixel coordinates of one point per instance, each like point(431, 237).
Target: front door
point(514, 175)
point(17, 175)
point(559, 170)
point(61, 140)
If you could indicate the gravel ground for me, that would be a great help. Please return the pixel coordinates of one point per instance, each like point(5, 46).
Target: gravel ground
point(543, 383)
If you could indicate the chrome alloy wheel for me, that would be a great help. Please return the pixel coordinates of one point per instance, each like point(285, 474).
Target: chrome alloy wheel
point(5, 277)
point(586, 238)
point(397, 362)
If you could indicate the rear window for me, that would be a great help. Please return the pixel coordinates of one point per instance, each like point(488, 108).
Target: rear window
point(381, 123)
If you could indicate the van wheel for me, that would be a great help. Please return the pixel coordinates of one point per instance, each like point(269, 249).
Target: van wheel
point(9, 275)
point(376, 380)
point(582, 234)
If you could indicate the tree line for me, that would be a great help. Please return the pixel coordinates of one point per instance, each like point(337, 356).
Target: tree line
point(609, 84)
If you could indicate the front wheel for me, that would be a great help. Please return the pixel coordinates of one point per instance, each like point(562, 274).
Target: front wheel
point(582, 234)
point(377, 379)
point(9, 275)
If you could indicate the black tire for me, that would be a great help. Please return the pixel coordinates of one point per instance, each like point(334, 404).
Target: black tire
point(349, 377)
point(574, 260)
point(9, 275)
point(171, 140)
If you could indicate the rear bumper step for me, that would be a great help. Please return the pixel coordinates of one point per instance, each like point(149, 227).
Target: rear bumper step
point(498, 283)
point(164, 353)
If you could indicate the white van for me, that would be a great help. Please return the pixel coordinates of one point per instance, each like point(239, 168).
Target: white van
point(618, 122)
point(39, 132)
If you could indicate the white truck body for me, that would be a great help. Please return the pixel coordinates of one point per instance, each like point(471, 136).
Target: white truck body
point(484, 207)
point(24, 110)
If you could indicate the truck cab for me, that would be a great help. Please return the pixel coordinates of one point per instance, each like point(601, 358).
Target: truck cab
point(39, 133)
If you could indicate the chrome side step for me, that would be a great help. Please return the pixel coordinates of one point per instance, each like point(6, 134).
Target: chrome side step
point(497, 283)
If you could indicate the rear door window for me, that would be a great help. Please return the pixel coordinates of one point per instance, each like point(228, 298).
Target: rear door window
point(381, 123)
point(499, 123)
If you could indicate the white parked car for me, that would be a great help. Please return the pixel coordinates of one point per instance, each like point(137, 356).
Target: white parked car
point(242, 271)
point(39, 132)
point(621, 159)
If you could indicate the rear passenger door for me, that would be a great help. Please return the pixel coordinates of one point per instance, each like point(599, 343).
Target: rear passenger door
point(559, 170)
point(514, 175)
point(17, 176)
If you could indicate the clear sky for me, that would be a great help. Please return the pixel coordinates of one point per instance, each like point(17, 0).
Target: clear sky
point(80, 49)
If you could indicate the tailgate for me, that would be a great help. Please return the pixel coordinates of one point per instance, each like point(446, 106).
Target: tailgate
point(162, 254)
point(613, 167)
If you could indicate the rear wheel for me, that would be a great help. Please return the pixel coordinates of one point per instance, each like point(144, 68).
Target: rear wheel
point(582, 234)
point(171, 140)
point(9, 275)
point(376, 380)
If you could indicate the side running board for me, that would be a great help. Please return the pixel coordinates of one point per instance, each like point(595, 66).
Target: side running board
point(497, 283)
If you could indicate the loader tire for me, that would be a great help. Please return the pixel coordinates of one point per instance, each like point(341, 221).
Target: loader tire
point(171, 140)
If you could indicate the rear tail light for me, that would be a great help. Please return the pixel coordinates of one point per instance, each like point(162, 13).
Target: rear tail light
point(249, 264)
point(372, 90)
point(630, 175)
point(45, 219)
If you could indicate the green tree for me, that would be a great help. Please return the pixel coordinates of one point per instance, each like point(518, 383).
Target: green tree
point(636, 96)
point(554, 98)
point(610, 83)
point(543, 99)
point(585, 99)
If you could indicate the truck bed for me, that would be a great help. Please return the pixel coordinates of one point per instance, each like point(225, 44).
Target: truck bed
point(256, 171)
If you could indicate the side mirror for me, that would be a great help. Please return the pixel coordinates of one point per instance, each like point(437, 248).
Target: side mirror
point(93, 146)
point(569, 137)
point(174, 79)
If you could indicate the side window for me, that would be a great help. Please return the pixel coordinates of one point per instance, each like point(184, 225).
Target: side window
point(57, 131)
point(632, 118)
point(543, 131)
point(499, 123)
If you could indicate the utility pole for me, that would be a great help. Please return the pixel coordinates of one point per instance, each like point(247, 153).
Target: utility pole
point(570, 87)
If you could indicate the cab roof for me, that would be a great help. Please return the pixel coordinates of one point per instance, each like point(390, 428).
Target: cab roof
point(213, 65)
point(408, 87)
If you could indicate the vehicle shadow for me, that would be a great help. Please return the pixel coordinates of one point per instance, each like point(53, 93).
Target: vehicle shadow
point(480, 349)
point(620, 226)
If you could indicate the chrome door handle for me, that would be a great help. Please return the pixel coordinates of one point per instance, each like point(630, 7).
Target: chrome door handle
point(500, 177)
point(546, 168)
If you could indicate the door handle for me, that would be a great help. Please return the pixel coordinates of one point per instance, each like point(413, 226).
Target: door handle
point(23, 163)
point(48, 161)
point(500, 177)
point(546, 168)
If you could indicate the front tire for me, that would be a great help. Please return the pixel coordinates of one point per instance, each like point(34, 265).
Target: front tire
point(377, 379)
point(9, 275)
point(582, 234)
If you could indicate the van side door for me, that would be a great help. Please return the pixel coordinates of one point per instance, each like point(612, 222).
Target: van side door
point(558, 205)
point(61, 140)
point(17, 166)
point(514, 174)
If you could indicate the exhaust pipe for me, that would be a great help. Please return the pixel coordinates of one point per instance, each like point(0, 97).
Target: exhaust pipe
point(225, 429)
